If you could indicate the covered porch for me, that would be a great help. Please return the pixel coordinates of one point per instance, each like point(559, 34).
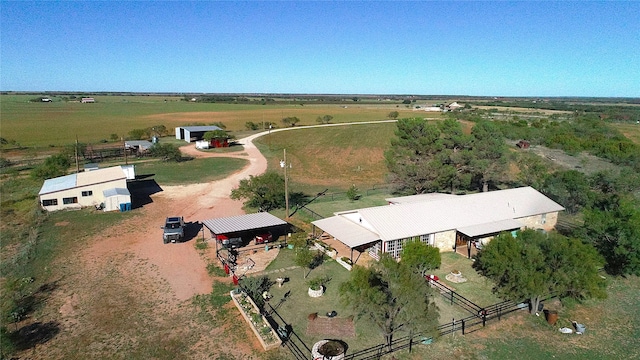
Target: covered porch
point(345, 237)
point(471, 239)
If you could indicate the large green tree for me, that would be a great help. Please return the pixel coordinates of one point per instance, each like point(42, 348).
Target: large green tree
point(614, 229)
point(535, 264)
point(570, 189)
point(489, 153)
point(392, 296)
point(420, 257)
point(410, 159)
point(53, 166)
point(264, 192)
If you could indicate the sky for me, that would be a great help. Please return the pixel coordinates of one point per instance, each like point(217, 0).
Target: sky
point(476, 48)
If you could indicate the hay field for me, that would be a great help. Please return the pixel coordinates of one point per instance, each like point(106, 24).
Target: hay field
point(38, 124)
point(630, 130)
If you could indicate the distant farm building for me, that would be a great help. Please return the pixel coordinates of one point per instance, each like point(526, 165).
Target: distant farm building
point(138, 146)
point(87, 100)
point(103, 188)
point(193, 133)
point(45, 100)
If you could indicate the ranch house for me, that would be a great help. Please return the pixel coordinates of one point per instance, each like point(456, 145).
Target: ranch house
point(442, 220)
point(105, 188)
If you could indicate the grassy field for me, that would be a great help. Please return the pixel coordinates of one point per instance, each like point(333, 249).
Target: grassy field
point(630, 130)
point(190, 172)
point(59, 123)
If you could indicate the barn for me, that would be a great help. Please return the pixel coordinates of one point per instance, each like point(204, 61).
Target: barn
point(88, 188)
point(193, 133)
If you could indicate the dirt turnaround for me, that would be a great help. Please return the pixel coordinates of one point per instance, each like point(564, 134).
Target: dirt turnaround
point(125, 291)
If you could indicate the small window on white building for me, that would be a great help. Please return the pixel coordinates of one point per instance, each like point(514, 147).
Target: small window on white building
point(543, 219)
point(70, 200)
point(49, 202)
point(87, 193)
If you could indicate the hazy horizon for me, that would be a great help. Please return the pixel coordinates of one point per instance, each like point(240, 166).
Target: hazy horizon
point(481, 49)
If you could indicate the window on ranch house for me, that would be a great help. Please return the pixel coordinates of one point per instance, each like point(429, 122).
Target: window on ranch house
point(50, 202)
point(87, 193)
point(70, 200)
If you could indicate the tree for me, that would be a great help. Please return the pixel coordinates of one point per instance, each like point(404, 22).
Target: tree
point(614, 230)
point(570, 189)
point(264, 192)
point(290, 121)
point(420, 257)
point(353, 193)
point(392, 296)
point(216, 134)
point(393, 115)
point(137, 134)
point(410, 155)
point(535, 264)
point(167, 152)
point(324, 119)
point(53, 166)
point(489, 153)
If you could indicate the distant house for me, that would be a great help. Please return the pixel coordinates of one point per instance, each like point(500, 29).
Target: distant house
point(45, 100)
point(441, 220)
point(105, 188)
point(454, 106)
point(87, 100)
point(193, 133)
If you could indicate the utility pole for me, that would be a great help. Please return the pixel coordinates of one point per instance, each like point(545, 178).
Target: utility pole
point(283, 164)
point(76, 155)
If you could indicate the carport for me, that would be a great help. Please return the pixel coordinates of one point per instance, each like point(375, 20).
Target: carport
point(246, 225)
point(350, 234)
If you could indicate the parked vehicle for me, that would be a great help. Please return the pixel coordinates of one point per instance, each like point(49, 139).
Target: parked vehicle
point(173, 229)
point(263, 238)
point(229, 243)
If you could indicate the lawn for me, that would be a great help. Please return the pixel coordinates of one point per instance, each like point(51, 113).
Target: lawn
point(298, 305)
point(189, 172)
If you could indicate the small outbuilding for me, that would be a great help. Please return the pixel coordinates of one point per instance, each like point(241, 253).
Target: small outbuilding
point(116, 199)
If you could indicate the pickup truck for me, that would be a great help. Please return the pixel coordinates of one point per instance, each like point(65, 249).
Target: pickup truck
point(173, 229)
point(263, 238)
point(229, 243)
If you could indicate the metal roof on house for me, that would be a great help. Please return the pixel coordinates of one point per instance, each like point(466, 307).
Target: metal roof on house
point(488, 210)
point(350, 233)
point(82, 179)
point(490, 228)
point(419, 198)
point(242, 223)
point(201, 128)
point(116, 191)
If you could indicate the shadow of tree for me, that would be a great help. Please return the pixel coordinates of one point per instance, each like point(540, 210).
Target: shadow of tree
point(34, 334)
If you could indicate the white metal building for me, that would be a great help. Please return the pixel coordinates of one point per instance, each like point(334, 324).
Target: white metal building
point(89, 188)
point(193, 133)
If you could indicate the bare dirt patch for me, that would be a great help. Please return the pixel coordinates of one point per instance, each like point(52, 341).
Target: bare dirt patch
point(338, 328)
point(128, 293)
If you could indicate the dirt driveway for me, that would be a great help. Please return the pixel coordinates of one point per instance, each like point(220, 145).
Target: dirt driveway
point(180, 264)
